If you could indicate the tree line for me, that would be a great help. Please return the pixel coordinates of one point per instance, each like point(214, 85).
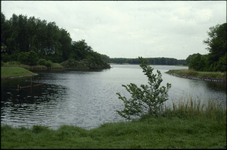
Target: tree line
point(152, 61)
point(216, 59)
point(20, 35)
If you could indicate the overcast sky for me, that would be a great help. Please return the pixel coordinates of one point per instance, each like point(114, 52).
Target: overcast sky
point(173, 29)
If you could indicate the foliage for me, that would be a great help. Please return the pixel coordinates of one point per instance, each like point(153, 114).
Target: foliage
point(48, 64)
point(28, 58)
point(197, 62)
point(150, 97)
point(23, 57)
point(105, 58)
point(222, 63)
point(21, 34)
point(5, 57)
point(153, 61)
point(187, 61)
point(216, 58)
point(217, 41)
point(41, 62)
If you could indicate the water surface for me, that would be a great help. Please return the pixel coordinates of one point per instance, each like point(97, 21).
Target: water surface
point(88, 98)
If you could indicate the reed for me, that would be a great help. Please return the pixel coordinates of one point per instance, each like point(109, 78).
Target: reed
point(195, 109)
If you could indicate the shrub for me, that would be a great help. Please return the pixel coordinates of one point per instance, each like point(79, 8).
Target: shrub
point(150, 98)
point(32, 58)
point(5, 57)
point(48, 64)
point(28, 58)
point(23, 57)
point(41, 62)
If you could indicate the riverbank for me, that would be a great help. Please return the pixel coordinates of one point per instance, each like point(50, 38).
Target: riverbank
point(15, 72)
point(66, 65)
point(199, 75)
point(185, 126)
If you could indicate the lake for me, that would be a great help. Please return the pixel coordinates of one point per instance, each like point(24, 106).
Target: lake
point(88, 98)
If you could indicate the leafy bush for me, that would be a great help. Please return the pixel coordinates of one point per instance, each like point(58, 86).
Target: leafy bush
point(32, 58)
point(5, 57)
point(23, 57)
point(28, 58)
point(150, 98)
point(41, 62)
point(48, 64)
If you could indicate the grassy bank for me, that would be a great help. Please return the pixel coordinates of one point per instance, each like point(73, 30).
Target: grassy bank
point(36, 67)
point(14, 72)
point(188, 72)
point(185, 125)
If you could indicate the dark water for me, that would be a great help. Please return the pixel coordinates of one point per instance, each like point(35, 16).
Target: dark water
point(88, 98)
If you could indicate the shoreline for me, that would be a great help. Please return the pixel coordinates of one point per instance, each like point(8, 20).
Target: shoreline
point(13, 77)
point(223, 80)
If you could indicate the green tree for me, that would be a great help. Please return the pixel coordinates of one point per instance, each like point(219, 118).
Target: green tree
point(187, 61)
point(148, 98)
point(28, 58)
point(216, 44)
point(23, 57)
point(197, 62)
point(222, 63)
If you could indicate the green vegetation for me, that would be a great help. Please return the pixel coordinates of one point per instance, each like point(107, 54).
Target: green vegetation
point(14, 71)
point(40, 66)
point(184, 126)
point(28, 40)
point(216, 59)
point(28, 58)
point(152, 61)
point(147, 100)
point(191, 72)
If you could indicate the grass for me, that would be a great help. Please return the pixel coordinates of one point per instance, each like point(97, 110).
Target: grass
point(189, 124)
point(14, 71)
point(36, 67)
point(190, 72)
point(56, 66)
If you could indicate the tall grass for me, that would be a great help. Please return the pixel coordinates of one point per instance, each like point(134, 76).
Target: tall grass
point(195, 109)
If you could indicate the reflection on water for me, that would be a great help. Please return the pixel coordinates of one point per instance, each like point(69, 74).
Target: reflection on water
point(88, 98)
